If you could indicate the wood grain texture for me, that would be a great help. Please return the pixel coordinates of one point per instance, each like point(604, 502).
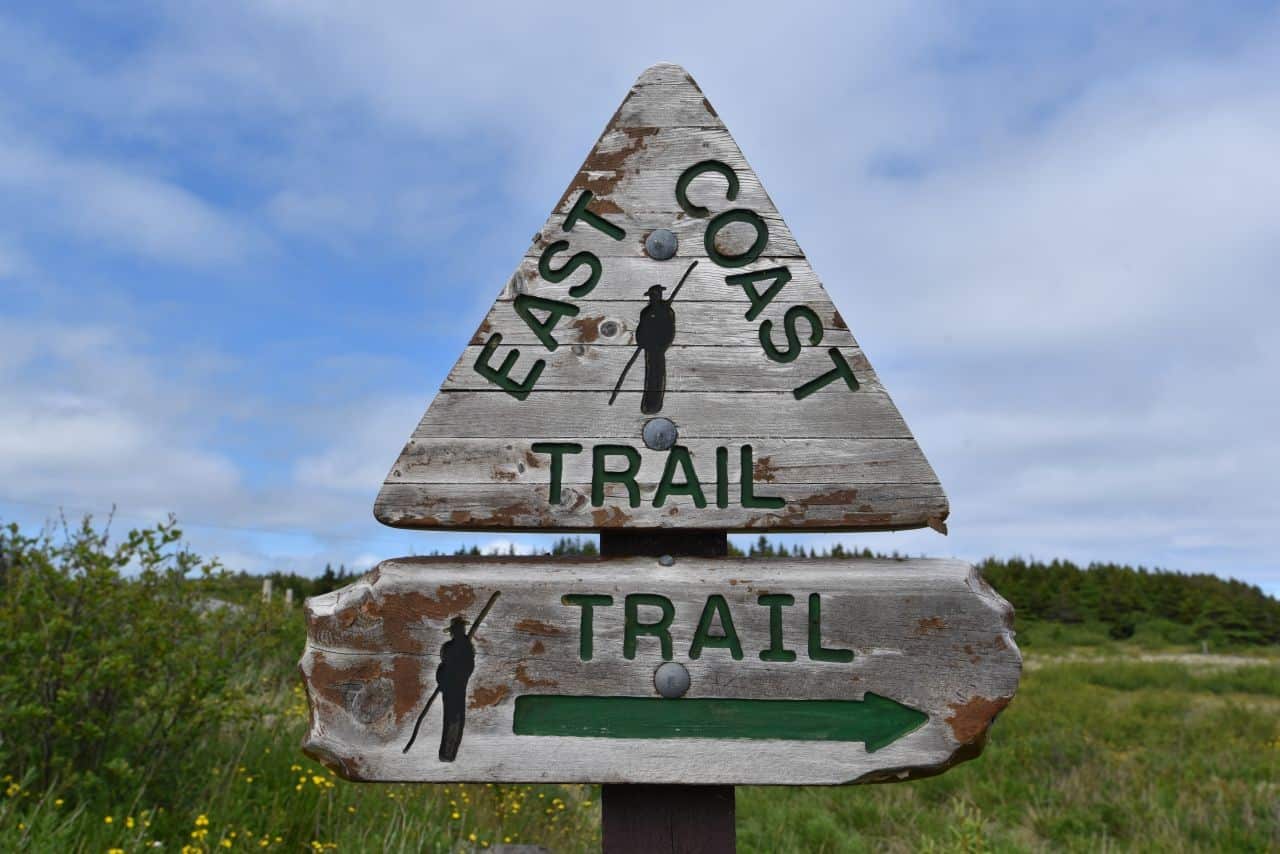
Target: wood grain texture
point(926, 634)
point(526, 507)
point(591, 367)
point(626, 278)
point(724, 385)
point(790, 461)
point(735, 415)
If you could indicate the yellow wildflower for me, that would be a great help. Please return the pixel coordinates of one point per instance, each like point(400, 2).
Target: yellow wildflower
point(58, 802)
point(202, 820)
point(128, 822)
point(12, 789)
point(225, 843)
point(106, 819)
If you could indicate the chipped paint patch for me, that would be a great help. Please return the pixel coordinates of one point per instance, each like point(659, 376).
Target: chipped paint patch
point(969, 720)
point(765, 471)
point(929, 624)
point(484, 696)
point(538, 627)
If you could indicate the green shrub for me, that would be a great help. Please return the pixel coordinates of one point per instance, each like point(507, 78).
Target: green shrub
point(114, 661)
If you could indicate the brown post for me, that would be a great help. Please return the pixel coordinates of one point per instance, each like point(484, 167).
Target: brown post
point(676, 819)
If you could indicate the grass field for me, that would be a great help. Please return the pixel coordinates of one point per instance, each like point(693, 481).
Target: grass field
point(1099, 751)
point(161, 709)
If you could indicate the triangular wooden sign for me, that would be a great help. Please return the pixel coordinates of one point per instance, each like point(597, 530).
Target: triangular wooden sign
point(663, 357)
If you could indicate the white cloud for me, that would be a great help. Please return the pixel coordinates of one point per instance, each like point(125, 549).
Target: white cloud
point(114, 206)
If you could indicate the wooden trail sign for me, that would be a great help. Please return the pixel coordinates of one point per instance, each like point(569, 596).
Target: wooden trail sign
point(663, 357)
point(641, 670)
point(663, 367)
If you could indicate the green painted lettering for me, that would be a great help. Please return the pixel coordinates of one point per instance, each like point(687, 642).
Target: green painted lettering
point(591, 218)
point(687, 176)
point(586, 629)
point(501, 376)
point(841, 370)
point(679, 456)
point(780, 276)
point(817, 651)
point(557, 275)
point(775, 602)
point(557, 450)
point(722, 477)
point(633, 628)
point(524, 306)
point(747, 481)
point(728, 217)
point(789, 321)
point(600, 475)
point(703, 637)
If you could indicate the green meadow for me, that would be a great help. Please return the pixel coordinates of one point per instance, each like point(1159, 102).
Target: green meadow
point(151, 702)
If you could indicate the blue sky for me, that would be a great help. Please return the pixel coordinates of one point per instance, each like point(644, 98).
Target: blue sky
point(242, 243)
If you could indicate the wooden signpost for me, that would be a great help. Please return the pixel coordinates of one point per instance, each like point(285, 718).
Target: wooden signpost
point(663, 367)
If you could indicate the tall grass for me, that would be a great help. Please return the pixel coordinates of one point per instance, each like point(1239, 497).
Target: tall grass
point(1124, 756)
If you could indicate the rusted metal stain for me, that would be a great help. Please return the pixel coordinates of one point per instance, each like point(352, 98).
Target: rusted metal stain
point(487, 695)
point(538, 627)
point(969, 720)
point(765, 471)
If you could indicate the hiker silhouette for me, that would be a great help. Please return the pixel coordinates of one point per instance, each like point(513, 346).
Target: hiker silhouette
point(654, 334)
point(457, 660)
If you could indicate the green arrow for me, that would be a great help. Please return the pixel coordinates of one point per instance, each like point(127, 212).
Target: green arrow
point(874, 720)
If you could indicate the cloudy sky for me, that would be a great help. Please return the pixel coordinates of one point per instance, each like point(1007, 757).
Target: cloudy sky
point(241, 243)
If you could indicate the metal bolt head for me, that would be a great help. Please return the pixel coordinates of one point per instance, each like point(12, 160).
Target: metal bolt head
point(666, 560)
point(671, 679)
point(609, 328)
point(661, 244)
point(659, 434)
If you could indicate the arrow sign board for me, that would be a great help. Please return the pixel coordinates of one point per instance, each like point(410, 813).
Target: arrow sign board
point(663, 356)
point(643, 670)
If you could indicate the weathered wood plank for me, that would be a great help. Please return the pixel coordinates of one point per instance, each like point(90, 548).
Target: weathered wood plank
point(802, 461)
point(528, 507)
point(613, 324)
point(927, 637)
point(626, 279)
point(832, 413)
point(592, 367)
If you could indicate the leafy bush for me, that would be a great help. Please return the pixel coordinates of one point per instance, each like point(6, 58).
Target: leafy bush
point(114, 661)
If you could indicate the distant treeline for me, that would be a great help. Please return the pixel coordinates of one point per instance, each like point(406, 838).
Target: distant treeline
point(1126, 599)
point(1111, 600)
